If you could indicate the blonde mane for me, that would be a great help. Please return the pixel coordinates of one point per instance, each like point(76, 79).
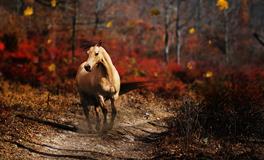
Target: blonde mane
point(108, 64)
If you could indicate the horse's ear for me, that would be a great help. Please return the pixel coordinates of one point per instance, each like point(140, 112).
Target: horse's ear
point(99, 43)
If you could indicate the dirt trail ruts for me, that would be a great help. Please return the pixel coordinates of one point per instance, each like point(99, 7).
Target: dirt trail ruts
point(61, 133)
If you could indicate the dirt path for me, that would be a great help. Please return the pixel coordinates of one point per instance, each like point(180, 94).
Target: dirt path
point(58, 130)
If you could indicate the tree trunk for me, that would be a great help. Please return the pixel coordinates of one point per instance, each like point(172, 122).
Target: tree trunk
point(198, 16)
point(53, 29)
point(96, 24)
point(73, 37)
point(74, 18)
point(166, 38)
point(244, 13)
point(19, 7)
point(227, 47)
point(178, 33)
point(167, 47)
point(97, 19)
point(178, 47)
point(198, 27)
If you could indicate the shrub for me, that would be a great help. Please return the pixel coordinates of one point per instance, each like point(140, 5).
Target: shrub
point(232, 106)
point(10, 41)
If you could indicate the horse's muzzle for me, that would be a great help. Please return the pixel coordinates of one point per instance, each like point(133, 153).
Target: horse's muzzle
point(88, 68)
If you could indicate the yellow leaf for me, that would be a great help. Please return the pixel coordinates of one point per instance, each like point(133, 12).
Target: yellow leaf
point(154, 12)
point(109, 24)
point(190, 65)
point(222, 4)
point(49, 41)
point(131, 23)
point(28, 11)
point(53, 3)
point(208, 74)
point(52, 67)
point(192, 30)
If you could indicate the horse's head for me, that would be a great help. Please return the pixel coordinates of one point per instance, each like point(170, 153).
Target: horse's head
point(95, 56)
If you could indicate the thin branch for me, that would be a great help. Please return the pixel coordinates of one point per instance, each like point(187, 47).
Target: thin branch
point(187, 20)
point(47, 4)
point(258, 38)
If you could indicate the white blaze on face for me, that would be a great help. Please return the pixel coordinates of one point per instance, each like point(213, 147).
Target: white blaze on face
point(96, 49)
point(92, 57)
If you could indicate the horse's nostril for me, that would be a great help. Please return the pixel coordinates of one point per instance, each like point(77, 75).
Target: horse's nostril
point(87, 68)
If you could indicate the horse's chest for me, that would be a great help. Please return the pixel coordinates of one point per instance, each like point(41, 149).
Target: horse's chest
point(100, 85)
point(105, 86)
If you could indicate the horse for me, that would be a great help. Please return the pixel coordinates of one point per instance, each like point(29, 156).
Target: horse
point(98, 81)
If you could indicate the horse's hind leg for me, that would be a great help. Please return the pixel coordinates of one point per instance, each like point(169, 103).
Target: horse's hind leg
point(113, 113)
point(96, 109)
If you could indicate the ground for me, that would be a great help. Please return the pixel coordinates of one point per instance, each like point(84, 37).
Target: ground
point(37, 124)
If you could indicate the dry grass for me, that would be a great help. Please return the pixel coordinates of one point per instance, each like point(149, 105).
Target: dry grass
point(222, 119)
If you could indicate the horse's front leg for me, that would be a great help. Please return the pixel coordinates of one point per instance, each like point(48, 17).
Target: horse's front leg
point(107, 86)
point(104, 109)
point(113, 113)
point(96, 109)
point(86, 110)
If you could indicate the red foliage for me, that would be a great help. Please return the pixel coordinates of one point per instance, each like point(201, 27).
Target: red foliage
point(150, 66)
point(234, 96)
point(50, 66)
point(40, 65)
point(173, 67)
point(192, 43)
point(2, 46)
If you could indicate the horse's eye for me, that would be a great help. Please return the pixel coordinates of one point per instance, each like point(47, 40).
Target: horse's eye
point(96, 54)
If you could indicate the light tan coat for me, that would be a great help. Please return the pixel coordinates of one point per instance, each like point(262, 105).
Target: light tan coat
point(97, 81)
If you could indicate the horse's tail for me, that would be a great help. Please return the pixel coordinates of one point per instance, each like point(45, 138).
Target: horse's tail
point(129, 86)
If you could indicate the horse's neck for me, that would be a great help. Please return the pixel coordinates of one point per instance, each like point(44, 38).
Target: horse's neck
point(109, 67)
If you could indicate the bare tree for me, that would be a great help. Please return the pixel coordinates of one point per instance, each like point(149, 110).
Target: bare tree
point(178, 31)
point(172, 15)
point(259, 38)
point(198, 23)
point(101, 8)
point(179, 25)
point(98, 7)
point(227, 22)
point(167, 23)
point(74, 19)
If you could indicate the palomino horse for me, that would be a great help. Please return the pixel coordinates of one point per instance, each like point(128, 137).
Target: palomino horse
point(98, 81)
